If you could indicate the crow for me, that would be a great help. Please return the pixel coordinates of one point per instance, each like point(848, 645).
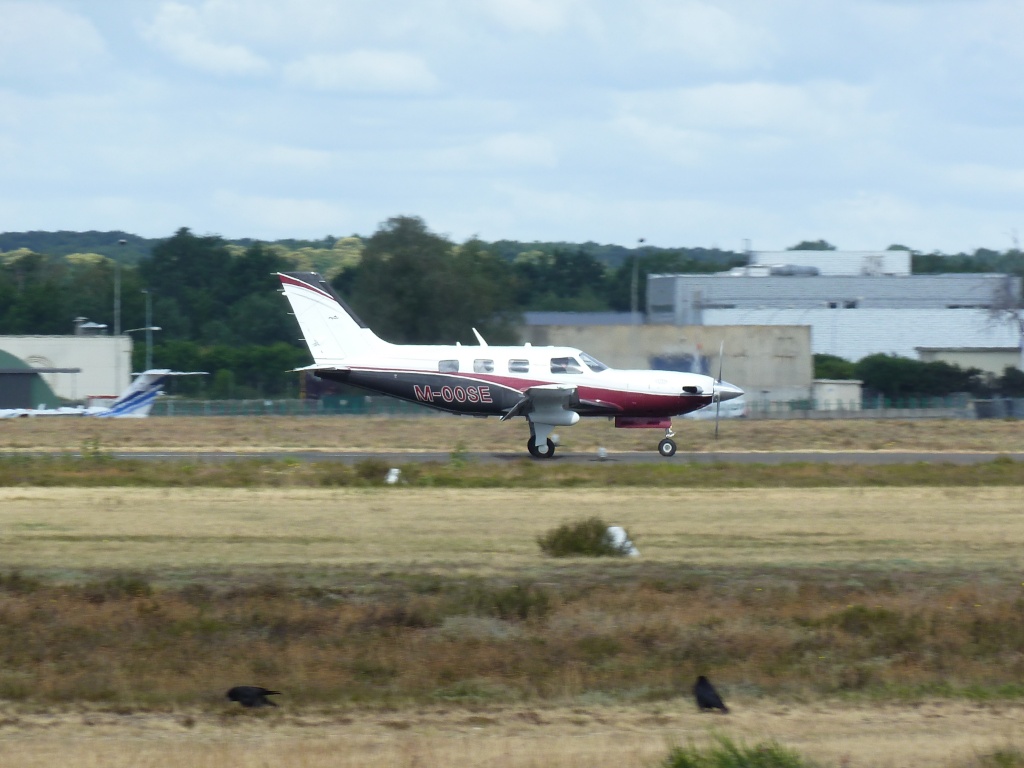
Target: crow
point(707, 697)
point(252, 696)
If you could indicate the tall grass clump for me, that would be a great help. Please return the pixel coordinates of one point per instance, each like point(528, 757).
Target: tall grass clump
point(586, 538)
point(725, 753)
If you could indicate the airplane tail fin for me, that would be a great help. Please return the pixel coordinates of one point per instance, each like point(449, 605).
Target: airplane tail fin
point(330, 328)
point(137, 401)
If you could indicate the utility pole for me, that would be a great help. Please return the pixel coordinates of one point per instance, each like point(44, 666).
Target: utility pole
point(149, 328)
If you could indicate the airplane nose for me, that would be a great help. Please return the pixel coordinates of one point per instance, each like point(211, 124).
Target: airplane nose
point(726, 391)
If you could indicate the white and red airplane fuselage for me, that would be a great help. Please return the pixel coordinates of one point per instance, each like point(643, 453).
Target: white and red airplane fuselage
point(549, 386)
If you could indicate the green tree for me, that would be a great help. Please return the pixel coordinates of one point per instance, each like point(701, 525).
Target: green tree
point(900, 377)
point(833, 367)
point(414, 286)
point(812, 245)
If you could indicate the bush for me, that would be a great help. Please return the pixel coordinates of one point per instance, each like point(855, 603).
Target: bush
point(588, 538)
point(727, 754)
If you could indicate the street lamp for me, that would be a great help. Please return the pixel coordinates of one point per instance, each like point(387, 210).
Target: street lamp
point(149, 342)
point(148, 328)
point(117, 314)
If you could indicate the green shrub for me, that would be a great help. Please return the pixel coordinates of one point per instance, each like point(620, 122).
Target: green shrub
point(588, 538)
point(727, 754)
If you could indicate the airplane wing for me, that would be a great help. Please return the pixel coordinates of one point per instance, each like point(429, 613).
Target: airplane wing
point(545, 397)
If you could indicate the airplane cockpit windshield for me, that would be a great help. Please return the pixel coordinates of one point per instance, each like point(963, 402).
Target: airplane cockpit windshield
point(595, 365)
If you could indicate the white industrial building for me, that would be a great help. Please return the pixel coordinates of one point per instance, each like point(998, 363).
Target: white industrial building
point(856, 304)
point(105, 362)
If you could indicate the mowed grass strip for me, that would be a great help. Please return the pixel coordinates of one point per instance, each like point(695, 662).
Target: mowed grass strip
point(494, 531)
point(162, 598)
point(102, 470)
point(447, 433)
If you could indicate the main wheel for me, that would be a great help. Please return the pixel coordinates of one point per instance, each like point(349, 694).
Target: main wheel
point(667, 447)
point(535, 451)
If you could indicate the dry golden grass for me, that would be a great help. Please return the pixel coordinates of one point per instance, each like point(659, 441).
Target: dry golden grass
point(494, 531)
point(929, 735)
point(449, 433)
point(764, 562)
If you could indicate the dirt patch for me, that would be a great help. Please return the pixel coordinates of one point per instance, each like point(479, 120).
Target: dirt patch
point(925, 735)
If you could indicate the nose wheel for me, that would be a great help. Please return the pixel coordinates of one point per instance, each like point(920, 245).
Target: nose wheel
point(667, 447)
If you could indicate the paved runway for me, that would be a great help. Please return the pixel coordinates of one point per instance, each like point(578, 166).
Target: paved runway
point(631, 457)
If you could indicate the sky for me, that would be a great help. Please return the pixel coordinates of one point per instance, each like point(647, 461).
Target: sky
point(720, 123)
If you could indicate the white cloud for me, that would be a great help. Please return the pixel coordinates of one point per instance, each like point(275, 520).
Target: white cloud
point(538, 16)
point(267, 216)
point(40, 40)
point(704, 34)
point(501, 152)
point(816, 108)
point(989, 179)
point(362, 71)
point(182, 32)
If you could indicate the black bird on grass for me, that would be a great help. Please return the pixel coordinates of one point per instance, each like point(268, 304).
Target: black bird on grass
point(707, 697)
point(252, 696)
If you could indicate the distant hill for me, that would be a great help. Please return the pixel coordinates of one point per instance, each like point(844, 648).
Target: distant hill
point(135, 248)
point(65, 243)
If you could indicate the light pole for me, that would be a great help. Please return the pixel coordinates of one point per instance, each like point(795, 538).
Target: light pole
point(149, 342)
point(149, 327)
point(117, 315)
point(635, 283)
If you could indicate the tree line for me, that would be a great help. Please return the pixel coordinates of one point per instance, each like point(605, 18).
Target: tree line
point(900, 378)
point(217, 305)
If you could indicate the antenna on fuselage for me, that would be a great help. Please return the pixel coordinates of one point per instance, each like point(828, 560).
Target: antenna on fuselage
point(479, 338)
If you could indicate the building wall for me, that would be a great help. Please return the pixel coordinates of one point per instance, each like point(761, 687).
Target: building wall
point(688, 299)
point(105, 362)
point(840, 262)
point(769, 363)
point(837, 395)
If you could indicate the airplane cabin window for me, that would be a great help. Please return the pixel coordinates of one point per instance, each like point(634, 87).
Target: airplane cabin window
point(448, 366)
point(565, 365)
point(518, 366)
point(483, 366)
point(595, 365)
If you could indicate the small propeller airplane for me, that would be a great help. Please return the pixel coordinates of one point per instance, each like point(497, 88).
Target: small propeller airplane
point(549, 386)
point(134, 403)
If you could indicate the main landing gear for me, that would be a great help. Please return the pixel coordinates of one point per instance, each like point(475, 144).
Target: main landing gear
point(536, 452)
point(667, 447)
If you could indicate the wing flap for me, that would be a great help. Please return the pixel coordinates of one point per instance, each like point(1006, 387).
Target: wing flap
point(545, 397)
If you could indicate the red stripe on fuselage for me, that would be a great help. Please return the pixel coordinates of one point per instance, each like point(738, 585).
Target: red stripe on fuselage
point(617, 401)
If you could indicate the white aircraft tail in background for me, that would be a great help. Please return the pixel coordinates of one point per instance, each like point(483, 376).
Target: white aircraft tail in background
point(134, 403)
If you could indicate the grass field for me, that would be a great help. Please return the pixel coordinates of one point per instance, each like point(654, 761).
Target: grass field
point(860, 626)
point(447, 433)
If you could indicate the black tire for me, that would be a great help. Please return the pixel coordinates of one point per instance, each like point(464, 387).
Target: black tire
point(667, 448)
point(535, 452)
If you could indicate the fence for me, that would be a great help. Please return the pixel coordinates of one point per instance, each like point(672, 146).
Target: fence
point(958, 407)
point(346, 406)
